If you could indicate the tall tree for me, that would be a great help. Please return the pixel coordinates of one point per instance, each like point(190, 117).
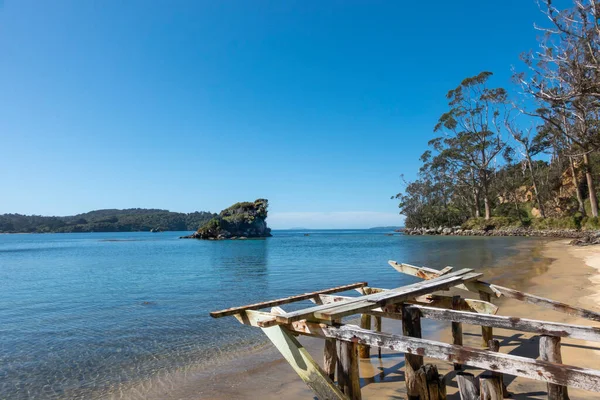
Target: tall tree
point(473, 135)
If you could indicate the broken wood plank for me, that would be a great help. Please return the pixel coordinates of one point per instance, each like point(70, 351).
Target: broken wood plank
point(431, 383)
point(550, 351)
point(304, 365)
point(467, 388)
point(497, 290)
point(420, 272)
point(513, 323)
point(490, 388)
point(390, 297)
point(404, 292)
point(378, 327)
point(284, 300)
point(540, 370)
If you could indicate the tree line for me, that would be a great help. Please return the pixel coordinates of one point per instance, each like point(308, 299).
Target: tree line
point(524, 157)
point(110, 220)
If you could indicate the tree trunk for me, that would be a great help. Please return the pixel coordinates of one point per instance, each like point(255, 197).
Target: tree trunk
point(577, 189)
point(591, 186)
point(486, 199)
point(535, 187)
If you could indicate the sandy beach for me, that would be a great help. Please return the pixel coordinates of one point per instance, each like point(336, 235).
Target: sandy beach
point(559, 271)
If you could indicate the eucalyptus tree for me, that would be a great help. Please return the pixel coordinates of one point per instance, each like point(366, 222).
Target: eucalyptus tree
point(472, 134)
point(564, 78)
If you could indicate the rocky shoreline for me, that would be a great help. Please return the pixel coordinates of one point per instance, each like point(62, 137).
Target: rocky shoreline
point(581, 238)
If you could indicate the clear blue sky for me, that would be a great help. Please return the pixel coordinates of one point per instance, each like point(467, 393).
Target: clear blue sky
point(318, 106)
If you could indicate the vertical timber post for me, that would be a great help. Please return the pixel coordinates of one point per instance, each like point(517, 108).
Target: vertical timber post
point(347, 370)
point(490, 387)
point(494, 345)
point(457, 332)
point(411, 326)
point(378, 327)
point(330, 358)
point(466, 386)
point(364, 351)
point(431, 383)
point(486, 331)
point(550, 351)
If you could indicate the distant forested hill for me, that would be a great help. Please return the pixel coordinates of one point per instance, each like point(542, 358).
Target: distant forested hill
point(111, 220)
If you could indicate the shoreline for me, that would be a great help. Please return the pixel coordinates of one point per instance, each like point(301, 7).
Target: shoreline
point(264, 374)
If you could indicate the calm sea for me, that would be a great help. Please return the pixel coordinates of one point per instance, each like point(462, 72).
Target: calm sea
point(83, 315)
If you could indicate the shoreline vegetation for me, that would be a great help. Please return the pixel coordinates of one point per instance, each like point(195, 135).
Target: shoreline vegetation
point(108, 220)
point(523, 161)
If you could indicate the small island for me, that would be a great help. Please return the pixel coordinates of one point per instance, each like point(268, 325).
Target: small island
point(240, 221)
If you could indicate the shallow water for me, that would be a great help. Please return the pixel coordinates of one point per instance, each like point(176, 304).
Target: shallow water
point(84, 315)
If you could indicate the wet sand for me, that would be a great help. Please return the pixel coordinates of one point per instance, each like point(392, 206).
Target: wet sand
point(558, 271)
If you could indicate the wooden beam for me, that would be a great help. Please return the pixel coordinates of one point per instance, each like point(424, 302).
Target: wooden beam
point(466, 386)
point(393, 296)
point(365, 303)
point(300, 360)
point(540, 370)
point(487, 332)
point(497, 290)
point(513, 323)
point(284, 300)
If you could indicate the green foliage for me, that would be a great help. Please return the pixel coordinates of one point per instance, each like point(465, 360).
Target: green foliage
point(590, 223)
point(492, 223)
point(129, 220)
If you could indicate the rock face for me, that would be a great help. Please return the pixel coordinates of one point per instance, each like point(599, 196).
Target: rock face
point(240, 221)
point(583, 238)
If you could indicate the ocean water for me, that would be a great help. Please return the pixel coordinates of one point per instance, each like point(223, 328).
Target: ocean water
point(84, 315)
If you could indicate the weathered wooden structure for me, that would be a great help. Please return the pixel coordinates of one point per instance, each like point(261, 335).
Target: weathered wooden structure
point(409, 304)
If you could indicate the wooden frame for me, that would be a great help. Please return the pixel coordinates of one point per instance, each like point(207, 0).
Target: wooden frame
point(410, 304)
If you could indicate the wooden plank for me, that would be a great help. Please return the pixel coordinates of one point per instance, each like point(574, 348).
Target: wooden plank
point(284, 300)
point(540, 370)
point(497, 290)
point(550, 351)
point(431, 383)
point(404, 292)
point(300, 360)
point(547, 303)
point(513, 323)
point(393, 296)
point(420, 272)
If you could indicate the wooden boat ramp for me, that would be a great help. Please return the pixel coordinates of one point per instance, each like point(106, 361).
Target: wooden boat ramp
point(345, 343)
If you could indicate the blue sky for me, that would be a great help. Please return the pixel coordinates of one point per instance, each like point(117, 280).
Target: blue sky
point(318, 106)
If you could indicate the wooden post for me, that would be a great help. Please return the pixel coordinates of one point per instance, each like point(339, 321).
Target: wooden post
point(486, 331)
point(364, 351)
point(457, 333)
point(431, 383)
point(490, 387)
point(550, 351)
point(330, 358)
point(378, 327)
point(494, 345)
point(466, 386)
point(348, 375)
point(411, 326)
